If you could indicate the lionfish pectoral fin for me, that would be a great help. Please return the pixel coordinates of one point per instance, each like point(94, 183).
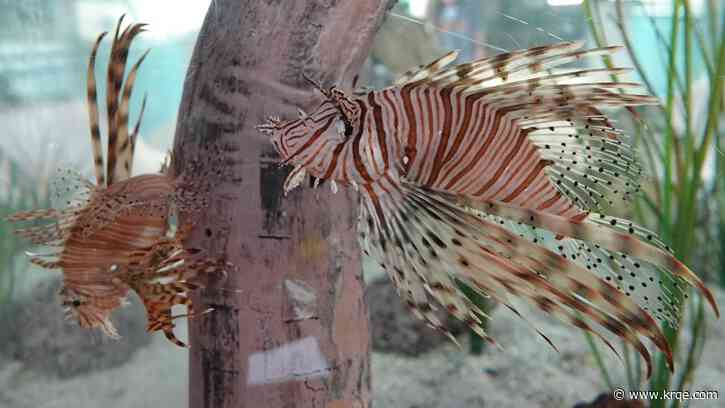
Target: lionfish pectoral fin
point(169, 333)
point(192, 314)
point(294, 179)
point(415, 233)
point(273, 124)
point(160, 319)
point(33, 215)
point(423, 252)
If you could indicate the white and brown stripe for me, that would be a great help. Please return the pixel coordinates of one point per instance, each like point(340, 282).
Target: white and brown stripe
point(113, 236)
point(487, 174)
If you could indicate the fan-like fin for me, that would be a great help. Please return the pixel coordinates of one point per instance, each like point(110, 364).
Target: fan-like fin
point(47, 213)
point(589, 162)
point(540, 132)
point(562, 277)
point(500, 68)
point(504, 69)
point(625, 244)
point(162, 277)
point(427, 242)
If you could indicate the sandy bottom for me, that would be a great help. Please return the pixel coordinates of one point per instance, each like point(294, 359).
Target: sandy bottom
point(155, 376)
point(528, 373)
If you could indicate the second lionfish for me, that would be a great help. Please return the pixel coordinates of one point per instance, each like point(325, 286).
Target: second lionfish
point(116, 235)
point(492, 175)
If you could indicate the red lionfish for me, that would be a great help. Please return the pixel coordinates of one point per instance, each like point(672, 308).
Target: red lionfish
point(116, 235)
point(492, 175)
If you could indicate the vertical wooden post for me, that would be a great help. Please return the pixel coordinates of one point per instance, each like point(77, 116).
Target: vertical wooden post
point(290, 326)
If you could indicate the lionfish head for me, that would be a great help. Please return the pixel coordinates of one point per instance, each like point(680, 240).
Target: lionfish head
point(333, 122)
point(81, 308)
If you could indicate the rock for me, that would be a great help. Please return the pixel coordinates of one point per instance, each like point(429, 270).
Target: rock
point(395, 329)
point(527, 372)
point(42, 339)
point(401, 45)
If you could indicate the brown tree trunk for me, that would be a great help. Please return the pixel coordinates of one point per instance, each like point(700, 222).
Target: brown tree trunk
point(290, 326)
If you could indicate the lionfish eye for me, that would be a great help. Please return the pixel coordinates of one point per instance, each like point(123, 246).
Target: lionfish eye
point(343, 126)
point(76, 303)
point(348, 127)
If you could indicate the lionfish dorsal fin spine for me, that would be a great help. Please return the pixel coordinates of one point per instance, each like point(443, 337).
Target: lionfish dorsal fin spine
point(118, 139)
point(125, 142)
point(92, 95)
point(422, 72)
point(112, 78)
point(134, 135)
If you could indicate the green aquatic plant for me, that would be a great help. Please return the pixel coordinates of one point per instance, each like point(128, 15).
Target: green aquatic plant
point(675, 146)
point(19, 192)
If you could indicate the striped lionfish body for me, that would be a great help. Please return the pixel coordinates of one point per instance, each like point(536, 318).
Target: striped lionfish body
point(115, 235)
point(492, 175)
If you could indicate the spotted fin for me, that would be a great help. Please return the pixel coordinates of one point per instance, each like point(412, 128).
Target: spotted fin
point(619, 244)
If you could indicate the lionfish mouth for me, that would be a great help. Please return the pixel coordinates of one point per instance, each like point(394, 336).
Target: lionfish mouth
point(273, 124)
point(272, 128)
